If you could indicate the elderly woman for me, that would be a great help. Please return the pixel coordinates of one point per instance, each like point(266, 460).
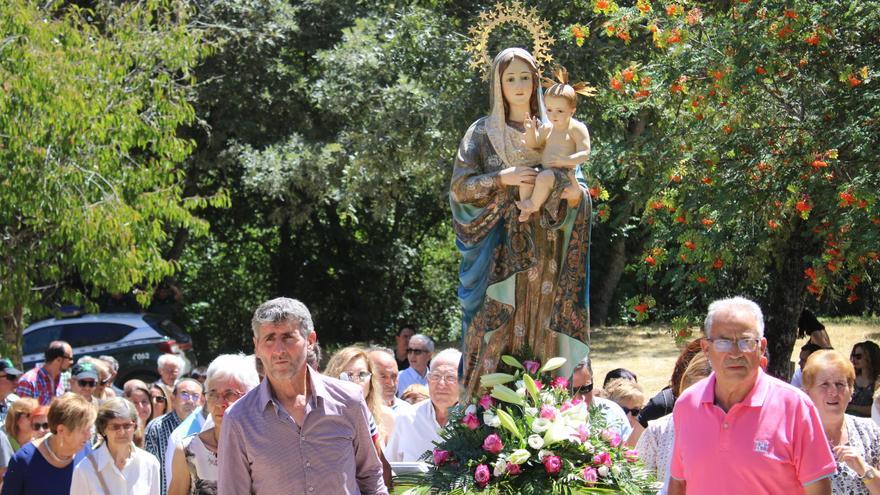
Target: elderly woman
point(829, 380)
point(46, 465)
point(352, 364)
point(117, 465)
point(194, 466)
point(19, 426)
point(865, 358)
point(655, 444)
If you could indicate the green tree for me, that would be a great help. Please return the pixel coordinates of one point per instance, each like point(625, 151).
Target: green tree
point(767, 133)
point(90, 106)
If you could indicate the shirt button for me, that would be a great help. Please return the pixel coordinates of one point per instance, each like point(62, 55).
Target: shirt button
point(308, 464)
point(311, 488)
point(726, 426)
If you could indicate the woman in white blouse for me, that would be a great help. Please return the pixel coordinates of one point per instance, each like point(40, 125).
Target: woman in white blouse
point(117, 465)
point(655, 444)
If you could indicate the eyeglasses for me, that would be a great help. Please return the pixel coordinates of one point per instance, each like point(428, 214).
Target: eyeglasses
point(40, 426)
point(417, 352)
point(583, 389)
point(355, 377)
point(107, 382)
point(190, 396)
point(634, 412)
point(227, 395)
point(726, 345)
point(160, 399)
point(438, 378)
point(86, 383)
point(69, 358)
point(122, 427)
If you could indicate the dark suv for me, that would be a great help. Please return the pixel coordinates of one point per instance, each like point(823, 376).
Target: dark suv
point(135, 340)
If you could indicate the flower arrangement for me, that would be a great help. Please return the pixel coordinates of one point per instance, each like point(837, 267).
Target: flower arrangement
point(530, 438)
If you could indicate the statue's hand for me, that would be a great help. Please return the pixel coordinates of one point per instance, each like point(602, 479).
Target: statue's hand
point(516, 176)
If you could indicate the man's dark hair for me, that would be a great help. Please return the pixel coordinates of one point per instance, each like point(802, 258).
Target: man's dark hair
point(55, 350)
point(619, 374)
point(404, 327)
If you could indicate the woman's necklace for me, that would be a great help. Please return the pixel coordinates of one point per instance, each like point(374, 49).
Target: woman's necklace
point(52, 453)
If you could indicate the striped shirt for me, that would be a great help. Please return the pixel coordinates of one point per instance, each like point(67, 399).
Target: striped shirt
point(37, 383)
point(156, 441)
point(266, 452)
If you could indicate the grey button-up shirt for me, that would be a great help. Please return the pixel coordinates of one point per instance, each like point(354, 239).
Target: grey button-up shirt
point(265, 452)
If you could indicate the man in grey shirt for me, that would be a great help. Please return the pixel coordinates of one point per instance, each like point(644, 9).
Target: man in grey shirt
point(299, 432)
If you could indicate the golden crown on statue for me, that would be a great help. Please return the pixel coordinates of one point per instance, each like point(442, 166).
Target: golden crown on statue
point(512, 13)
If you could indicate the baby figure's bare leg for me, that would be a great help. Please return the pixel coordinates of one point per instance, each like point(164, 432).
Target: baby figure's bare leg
point(543, 184)
point(525, 203)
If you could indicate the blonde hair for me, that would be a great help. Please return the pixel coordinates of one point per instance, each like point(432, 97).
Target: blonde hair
point(565, 91)
point(341, 359)
point(73, 411)
point(414, 391)
point(622, 390)
point(696, 370)
point(19, 408)
point(827, 359)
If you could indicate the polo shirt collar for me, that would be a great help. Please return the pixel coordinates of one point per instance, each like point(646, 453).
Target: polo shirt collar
point(755, 397)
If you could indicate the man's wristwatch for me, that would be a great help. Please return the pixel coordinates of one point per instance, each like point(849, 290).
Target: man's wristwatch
point(870, 474)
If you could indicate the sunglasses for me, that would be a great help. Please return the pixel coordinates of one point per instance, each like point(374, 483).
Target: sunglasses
point(583, 389)
point(417, 352)
point(632, 412)
point(87, 383)
point(40, 426)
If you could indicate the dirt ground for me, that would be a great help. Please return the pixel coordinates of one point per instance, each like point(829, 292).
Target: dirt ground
point(650, 352)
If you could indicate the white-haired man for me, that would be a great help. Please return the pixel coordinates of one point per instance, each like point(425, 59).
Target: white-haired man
point(416, 429)
point(299, 431)
point(740, 430)
point(169, 366)
point(419, 352)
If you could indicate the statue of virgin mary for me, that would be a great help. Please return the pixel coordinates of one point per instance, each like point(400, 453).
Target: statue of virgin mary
point(522, 285)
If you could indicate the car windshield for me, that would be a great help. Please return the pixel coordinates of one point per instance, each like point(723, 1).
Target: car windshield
point(167, 327)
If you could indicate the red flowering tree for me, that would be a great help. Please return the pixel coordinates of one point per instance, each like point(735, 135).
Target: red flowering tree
point(766, 121)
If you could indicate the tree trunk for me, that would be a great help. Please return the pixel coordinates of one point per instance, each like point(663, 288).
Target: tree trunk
point(600, 302)
point(13, 324)
point(786, 301)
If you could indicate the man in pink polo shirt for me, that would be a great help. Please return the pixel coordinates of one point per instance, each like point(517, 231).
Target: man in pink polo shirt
point(740, 430)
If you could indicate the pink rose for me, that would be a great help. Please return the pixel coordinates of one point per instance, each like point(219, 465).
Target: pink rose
point(440, 456)
point(552, 464)
point(590, 474)
point(486, 402)
point(531, 366)
point(559, 382)
point(513, 469)
point(566, 406)
point(612, 438)
point(548, 412)
point(631, 455)
point(492, 444)
point(471, 421)
point(582, 433)
point(602, 458)
point(481, 475)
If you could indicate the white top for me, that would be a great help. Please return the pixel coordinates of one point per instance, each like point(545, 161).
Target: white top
point(140, 476)
point(875, 411)
point(797, 379)
point(399, 406)
point(415, 431)
point(615, 418)
point(408, 377)
point(655, 448)
point(194, 423)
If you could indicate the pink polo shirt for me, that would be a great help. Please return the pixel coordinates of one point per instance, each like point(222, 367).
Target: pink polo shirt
point(772, 442)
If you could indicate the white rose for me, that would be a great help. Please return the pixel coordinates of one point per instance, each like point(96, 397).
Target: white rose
point(615, 470)
point(535, 441)
point(540, 425)
point(589, 447)
point(500, 466)
point(603, 470)
point(491, 420)
point(471, 409)
point(521, 392)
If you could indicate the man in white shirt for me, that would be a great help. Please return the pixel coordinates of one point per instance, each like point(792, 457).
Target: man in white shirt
point(419, 353)
point(385, 365)
point(416, 429)
point(582, 387)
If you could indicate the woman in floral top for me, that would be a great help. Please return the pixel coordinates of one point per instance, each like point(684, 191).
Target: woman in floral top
point(829, 379)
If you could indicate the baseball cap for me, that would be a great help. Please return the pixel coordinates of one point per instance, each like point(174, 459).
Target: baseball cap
point(84, 370)
point(6, 367)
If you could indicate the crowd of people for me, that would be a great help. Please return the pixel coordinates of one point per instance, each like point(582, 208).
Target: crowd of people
point(342, 427)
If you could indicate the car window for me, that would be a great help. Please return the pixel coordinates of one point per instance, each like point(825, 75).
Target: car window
point(37, 341)
point(88, 334)
point(167, 327)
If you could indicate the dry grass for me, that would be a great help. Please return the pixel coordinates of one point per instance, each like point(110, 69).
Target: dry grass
point(650, 353)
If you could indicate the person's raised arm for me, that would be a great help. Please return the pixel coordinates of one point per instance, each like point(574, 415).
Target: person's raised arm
point(531, 135)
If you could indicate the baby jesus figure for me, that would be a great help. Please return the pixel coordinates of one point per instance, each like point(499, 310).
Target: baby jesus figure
point(565, 141)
